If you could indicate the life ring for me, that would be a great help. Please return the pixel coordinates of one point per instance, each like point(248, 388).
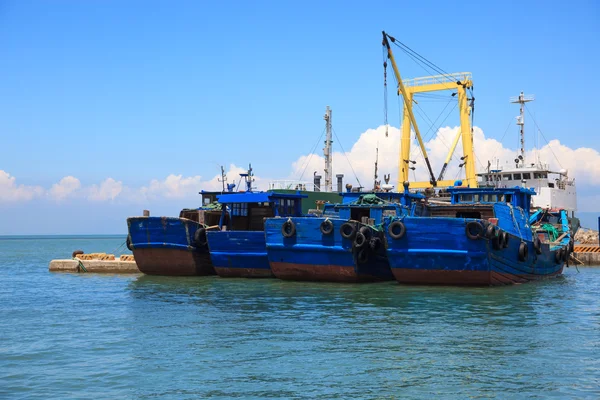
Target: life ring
point(362, 256)
point(365, 230)
point(397, 230)
point(326, 227)
point(375, 243)
point(558, 256)
point(76, 252)
point(128, 243)
point(537, 245)
point(523, 251)
point(360, 240)
point(490, 231)
point(200, 237)
point(474, 230)
point(288, 229)
point(505, 237)
point(348, 230)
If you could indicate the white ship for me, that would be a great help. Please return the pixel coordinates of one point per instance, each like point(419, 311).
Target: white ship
point(554, 189)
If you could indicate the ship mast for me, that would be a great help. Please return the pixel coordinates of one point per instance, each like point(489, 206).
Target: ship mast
point(327, 150)
point(375, 182)
point(223, 179)
point(522, 99)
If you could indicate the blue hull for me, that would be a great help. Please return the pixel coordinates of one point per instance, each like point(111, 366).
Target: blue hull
point(314, 256)
point(438, 251)
point(239, 254)
point(165, 246)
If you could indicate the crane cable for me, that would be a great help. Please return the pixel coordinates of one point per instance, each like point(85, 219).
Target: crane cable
point(540, 131)
point(385, 93)
point(311, 154)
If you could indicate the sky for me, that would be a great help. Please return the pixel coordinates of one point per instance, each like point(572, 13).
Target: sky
point(111, 107)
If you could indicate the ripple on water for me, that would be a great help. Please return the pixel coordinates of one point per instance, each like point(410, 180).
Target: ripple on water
point(74, 336)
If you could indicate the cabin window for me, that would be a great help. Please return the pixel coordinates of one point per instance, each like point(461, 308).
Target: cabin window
point(506, 177)
point(466, 197)
point(489, 198)
point(239, 209)
point(517, 177)
point(508, 198)
point(475, 197)
point(526, 175)
point(285, 206)
point(540, 175)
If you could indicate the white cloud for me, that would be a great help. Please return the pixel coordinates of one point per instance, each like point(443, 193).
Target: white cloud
point(66, 187)
point(10, 191)
point(582, 163)
point(107, 190)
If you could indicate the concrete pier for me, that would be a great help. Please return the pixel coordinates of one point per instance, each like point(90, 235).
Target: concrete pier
point(587, 254)
point(94, 266)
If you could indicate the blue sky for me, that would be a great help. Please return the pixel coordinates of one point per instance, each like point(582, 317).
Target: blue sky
point(139, 90)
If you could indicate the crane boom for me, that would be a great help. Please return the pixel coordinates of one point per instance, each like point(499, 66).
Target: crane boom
point(460, 81)
point(408, 106)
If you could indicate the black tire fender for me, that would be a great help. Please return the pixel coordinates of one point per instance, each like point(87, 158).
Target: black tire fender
point(505, 238)
point(348, 230)
point(537, 245)
point(397, 229)
point(375, 243)
point(362, 256)
point(490, 231)
point(523, 251)
point(288, 229)
point(474, 230)
point(365, 230)
point(565, 254)
point(360, 240)
point(128, 243)
point(497, 242)
point(200, 237)
point(326, 227)
point(558, 256)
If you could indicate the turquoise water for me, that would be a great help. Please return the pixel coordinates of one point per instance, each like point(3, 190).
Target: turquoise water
point(110, 336)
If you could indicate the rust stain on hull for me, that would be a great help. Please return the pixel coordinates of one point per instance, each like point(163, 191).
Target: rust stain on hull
point(173, 262)
point(319, 273)
point(226, 272)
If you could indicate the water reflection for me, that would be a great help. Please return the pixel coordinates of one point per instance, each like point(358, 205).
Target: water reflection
point(396, 335)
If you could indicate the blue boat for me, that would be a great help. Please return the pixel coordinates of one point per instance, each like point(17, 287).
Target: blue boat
point(237, 247)
point(483, 236)
point(174, 245)
point(345, 244)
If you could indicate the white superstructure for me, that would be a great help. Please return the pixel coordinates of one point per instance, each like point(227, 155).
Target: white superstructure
point(553, 189)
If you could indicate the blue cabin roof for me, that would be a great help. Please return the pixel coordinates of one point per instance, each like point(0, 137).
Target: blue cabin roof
point(256, 197)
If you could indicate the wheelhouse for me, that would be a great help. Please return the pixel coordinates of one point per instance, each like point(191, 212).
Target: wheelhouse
point(247, 211)
point(361, 206)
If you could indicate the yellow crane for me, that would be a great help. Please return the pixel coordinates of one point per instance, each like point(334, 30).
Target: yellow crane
point(460, 82)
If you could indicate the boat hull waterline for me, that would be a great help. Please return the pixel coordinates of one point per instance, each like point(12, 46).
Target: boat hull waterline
point(168, 246)
point(311, 255)
point(438, 251)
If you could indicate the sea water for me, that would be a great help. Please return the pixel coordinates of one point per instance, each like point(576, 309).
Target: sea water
point(133, 336)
